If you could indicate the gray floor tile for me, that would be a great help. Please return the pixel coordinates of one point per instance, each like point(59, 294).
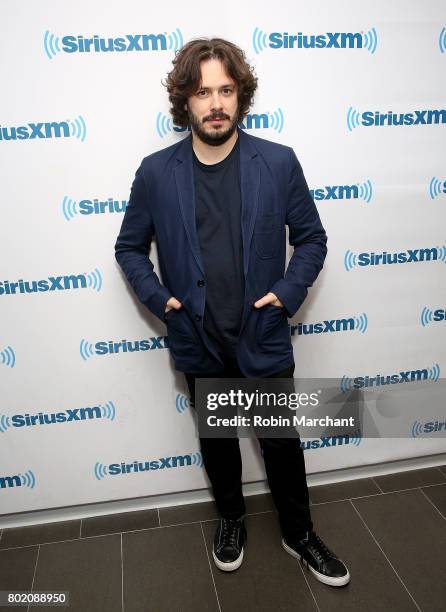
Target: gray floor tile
point(269, 579)
point(343, 490)
point(167, 570)
point(39, 534)
point(413, 535)
point(89, 569)
point(16, 571)
point(189, 513)
point(342, 530)
point(410, 480)
point(124, 521)
point(437, 494)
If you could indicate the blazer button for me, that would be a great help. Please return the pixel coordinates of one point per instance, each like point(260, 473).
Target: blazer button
point(197, 317)
point(200, 283)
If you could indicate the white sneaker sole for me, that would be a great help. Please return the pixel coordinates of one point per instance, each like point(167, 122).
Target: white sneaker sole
point(228, 567)
point(343, 580)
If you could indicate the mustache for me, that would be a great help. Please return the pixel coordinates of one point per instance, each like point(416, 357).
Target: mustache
point(216, 116)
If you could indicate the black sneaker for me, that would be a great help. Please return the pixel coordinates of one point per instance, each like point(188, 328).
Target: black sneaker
point(320, 560)
point(228, 544)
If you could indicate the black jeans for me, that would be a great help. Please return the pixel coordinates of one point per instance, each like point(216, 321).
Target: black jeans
point(284, 466)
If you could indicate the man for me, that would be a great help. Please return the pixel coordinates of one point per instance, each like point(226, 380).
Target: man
point(218, 202)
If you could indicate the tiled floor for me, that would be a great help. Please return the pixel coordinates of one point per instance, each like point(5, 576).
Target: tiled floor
point(389, 530)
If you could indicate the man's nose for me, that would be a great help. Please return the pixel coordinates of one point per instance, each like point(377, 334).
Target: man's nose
point(216, 101)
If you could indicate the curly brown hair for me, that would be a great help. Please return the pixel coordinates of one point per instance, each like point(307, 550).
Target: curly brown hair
point(184, 79)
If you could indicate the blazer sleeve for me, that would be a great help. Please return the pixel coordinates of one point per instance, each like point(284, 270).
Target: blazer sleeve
point(306, 235)
point(132, 249)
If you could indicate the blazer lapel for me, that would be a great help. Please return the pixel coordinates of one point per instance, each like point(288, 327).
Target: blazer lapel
point(184, 177)
point(249, 187)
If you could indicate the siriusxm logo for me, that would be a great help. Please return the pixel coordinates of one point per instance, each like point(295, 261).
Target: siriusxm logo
point(18, 480)
point(110, 347)
point(436, 187)
point(181, 403)
point(361, 191)
point(328, 40)
point(97, 44)
point(107, 411)
point(430, 427)
point(381, 259)
point(113, 469)
point(429, 316)
point(442, 40)
point(91, 280)
point(378, 119)
point(379, 380)
point(54, 129)
point(330, 441)
point(330, 326)
point(253, 121)
point(7, 357)
point(71, 208)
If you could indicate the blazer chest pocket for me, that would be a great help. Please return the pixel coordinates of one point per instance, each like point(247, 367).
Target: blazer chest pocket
point(267, 235)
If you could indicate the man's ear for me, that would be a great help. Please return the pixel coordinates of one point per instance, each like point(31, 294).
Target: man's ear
point(185, 107)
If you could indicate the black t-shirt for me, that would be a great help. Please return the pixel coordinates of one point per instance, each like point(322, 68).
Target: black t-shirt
point(218, 220)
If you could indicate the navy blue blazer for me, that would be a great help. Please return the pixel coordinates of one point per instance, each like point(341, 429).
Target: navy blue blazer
point(274, 193)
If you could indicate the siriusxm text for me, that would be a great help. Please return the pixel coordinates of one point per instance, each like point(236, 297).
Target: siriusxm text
point(328, 40)
point(335, 192)
point(126, 43)
point(98, 207)
point(10, 481)
point(143, 466)
point(409, 256)
point(324, 327)
point(417, 117)
point(42, 418)
point(110, 347)
point(52, 283)
point(392, 379)
point(434, 426)
point(31, 131)
point(439, 314)
point(327, 442)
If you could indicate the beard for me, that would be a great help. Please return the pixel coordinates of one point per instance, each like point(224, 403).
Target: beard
point(216, 136)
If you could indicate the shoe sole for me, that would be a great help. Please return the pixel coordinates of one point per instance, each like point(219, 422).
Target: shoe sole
point(228, 567)
point(336, 582)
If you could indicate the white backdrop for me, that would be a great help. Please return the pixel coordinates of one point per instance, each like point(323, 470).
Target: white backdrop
point(111, 110)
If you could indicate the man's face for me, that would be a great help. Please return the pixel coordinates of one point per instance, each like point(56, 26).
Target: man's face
point(213, 109)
